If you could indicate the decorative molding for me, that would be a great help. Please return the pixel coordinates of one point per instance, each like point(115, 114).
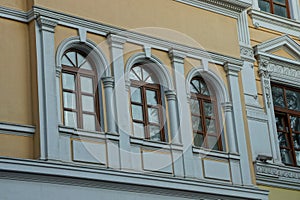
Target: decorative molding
point(46, 23)
point(177, 56)
point(229, 8)
point(54, 170)
point(108, 82)
point(232, 69)
point(82, 34)
point(171, 95)
point(87, 134)
point(278, 176)
point(274, 22)
point(285, 42)
point(16, 129)
point(116, 41)
point(247, 53)
point(13, 14)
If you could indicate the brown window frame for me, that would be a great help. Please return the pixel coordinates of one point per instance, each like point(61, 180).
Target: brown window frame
point(286, 113)
point(79, 72)
point(200, 98)
point(144, 86)
point(273, 2)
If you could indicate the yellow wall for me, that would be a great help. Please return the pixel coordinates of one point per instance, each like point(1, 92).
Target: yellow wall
point(15, 78)
point(279, 194)
point(17, 4)
point(16, 146)
point(206, 28)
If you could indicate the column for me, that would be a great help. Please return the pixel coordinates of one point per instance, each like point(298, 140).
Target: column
point(108, 84)
point(232, 71)
point(184, 114)
point(121, 99)
point(173, 116)
point(47, 96)
point(227, 107)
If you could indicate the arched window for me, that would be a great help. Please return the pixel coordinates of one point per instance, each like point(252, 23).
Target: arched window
point(204, 115)
point(146, 103)
point(80, 94)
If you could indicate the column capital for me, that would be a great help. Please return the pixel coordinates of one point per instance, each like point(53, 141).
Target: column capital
point(263, 63)
point(170, 94)
point(46, 23)
point(116, 41)
point(108, 82)
point(177, 56)
point(227, 106)
point(232, 69)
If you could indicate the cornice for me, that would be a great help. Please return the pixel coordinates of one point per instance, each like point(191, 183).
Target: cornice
point(17, 129)
point(231, 8)
point(55, 171)
point(274, 22)
point(278, 176)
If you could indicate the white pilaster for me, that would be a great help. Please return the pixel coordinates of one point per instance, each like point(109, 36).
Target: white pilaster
point(47, 96)
point(121, 99)
point(108, 84)
point(185, 127)
point(266, 87)
point(233, 80)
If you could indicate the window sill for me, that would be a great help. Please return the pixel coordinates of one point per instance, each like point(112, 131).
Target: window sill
point(214, 153)
point(274, 22)
point(277, 175)
point(155, 144)
point(85, 133)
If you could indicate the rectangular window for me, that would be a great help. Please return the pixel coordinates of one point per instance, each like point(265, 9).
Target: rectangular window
point(277, 7)
point(286, 102)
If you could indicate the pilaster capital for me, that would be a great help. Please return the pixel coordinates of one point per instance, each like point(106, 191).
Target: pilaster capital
point(116, 41)
point(232, 69)
point(247, 53)
point(177, 56)
point(108, 82)
point(227, 106)
point(171, 95)
point(263, 63)
point(46, 23)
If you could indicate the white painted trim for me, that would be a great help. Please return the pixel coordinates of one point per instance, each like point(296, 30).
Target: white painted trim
point(164, 76)
point(68, 170)
point(278, 176)
point(154, 144)
point(13, 14)
point(228, 8)
point(87, 134)
point(274, 22)
point(216, 154)
point(90, 48)
point(213, 79)
point(16, 129)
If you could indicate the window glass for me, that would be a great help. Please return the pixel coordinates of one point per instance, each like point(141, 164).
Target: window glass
point(69, 100)
point(68, 81)
point(277, 7)
point(287, 116)
point(146, 104)
point(79, 99)
point(203, 104)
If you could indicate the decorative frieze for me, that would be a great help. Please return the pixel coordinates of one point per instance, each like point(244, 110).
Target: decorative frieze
point(247, 53)
point(281, 175)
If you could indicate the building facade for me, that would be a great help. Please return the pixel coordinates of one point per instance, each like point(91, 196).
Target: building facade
point(168, 99)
